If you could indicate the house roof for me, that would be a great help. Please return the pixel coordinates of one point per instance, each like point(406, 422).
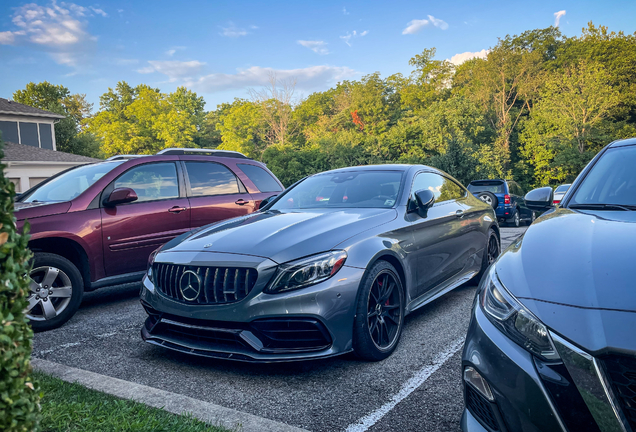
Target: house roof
point(14, 108)
point(24, 153)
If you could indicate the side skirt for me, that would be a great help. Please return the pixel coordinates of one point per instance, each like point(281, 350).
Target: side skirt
point(116, 280)
point(436, 293)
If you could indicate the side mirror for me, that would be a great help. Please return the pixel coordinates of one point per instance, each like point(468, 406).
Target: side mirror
point(425, 199)
point(266, 201)
point(120, 196)
point(540, 199)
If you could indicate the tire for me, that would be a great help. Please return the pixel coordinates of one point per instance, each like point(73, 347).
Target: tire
point(516, 219)
point(62, 285)
point(533, 216)
point(377, 327)
point(492, 251)
point(489, 198)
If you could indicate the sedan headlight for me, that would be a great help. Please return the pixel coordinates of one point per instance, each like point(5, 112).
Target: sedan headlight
point(306, 271)
point(517, 322)
point(151, 261)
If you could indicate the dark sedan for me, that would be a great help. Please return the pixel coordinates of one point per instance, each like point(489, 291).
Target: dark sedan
point(552, 341)
point(332, 265)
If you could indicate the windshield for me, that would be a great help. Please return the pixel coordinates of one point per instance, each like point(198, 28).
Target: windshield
point(493, 187)
point(612, 180)
point(71, 184)
point(350, 189)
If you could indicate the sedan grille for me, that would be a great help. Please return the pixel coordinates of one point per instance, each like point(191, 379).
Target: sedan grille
point(204, 285)
point(622, 372)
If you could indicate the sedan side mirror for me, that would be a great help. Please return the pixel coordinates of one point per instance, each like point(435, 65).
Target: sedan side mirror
point(425, 199)
point(540, 199)
point(120, 196)
point(266, 201)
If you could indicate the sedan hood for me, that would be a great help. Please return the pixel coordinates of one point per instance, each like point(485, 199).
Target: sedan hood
point(575, 271)
point(283, 236)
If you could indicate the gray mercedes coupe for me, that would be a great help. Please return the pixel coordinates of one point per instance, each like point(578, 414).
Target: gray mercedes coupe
point(331, 265)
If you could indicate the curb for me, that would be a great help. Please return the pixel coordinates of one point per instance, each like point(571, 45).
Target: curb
point(168, 401)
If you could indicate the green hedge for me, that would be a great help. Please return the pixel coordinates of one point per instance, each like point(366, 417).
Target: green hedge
point(19, 400)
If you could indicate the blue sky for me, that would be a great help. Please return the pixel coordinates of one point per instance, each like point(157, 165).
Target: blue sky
point(221, 49)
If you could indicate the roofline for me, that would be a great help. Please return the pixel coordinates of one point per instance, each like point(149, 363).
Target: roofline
point(22, 163)
point(24, 114)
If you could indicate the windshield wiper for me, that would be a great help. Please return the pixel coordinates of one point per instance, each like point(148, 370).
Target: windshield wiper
point(602, 207)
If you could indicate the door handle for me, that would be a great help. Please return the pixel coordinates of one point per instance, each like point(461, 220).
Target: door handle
point(459, 213)
point(241, 202)
point(177, 209)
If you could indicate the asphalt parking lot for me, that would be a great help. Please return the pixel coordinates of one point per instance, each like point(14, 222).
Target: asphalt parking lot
point(417, 388)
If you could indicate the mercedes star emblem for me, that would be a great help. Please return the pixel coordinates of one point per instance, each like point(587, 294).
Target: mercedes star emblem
point(190, 285)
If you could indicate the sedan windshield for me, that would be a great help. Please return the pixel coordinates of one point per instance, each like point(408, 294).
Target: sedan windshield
point(611, 181)
point(71, 184)
point(350, 189)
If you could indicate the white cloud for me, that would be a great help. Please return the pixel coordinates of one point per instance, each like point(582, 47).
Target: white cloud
point(55, 26)
point(347, 38)
point(414, 26)
point(557, 17)
point(319, 47)
point(7, 38)
point(460, 58)
point(344, 11)
point(309, 78)
point(171, 52)
point(174, 70)
point(233, 31)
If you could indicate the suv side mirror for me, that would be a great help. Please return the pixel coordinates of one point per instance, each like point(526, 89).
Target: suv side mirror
point(266, 201)
point(540, 199)
point(425, 199)
point(120, 196)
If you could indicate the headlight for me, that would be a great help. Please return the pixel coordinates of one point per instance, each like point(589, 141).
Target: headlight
point(307, 271)
point(517, 322)
point(151, 261)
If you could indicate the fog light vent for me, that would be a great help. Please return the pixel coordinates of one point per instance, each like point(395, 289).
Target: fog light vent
point(473, 377)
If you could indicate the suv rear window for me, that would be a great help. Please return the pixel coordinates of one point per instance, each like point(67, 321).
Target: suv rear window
point(487, 186)
point(261, 178)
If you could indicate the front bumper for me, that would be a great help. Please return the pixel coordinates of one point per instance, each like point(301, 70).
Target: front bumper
point(529, 395)
point(310, 323)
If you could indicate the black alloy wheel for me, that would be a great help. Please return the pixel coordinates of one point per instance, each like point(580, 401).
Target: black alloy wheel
point(516, 219)
point(379, 313)
point(491, 252)
point(384, 310)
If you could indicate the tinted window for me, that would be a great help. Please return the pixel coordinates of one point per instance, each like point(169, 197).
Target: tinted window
point(9, 131)
point(151, 181)
point(67, 186)
point(562, 188)
point(46, 139)
point(261, 178)
point(487, 186)
point(612, 180)
point(29, 134)
point(443, 188)
point(208, 178)
point(349, 189)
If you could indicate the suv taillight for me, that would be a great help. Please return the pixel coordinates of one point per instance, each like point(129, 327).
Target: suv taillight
point(506, 199)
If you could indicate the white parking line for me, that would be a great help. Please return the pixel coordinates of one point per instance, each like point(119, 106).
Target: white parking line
point(409, 387)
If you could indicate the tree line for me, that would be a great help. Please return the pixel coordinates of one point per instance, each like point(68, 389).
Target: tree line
point(535, 110)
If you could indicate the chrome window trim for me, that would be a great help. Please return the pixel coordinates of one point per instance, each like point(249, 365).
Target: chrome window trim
point(591, 382)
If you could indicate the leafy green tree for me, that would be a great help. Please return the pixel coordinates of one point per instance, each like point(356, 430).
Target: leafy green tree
point(58, 99)
point(569, 123)
point(243, 129)
point(142, 120)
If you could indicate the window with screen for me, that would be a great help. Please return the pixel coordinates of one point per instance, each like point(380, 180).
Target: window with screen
point(46, 136)
point(261, 178)
point(443, 188)
point(151, 182)
point(9, 131)
point(29, 134)
point(208, 178)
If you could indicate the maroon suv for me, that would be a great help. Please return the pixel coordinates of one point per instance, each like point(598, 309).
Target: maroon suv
point(95, 225)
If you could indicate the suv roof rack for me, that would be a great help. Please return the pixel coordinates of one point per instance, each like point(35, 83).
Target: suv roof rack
point(190, 151)
point(125, 157)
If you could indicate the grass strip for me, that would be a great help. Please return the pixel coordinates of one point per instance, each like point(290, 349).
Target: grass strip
point(70, 407)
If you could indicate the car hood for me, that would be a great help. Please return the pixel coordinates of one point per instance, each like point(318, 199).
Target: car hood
point(32, 210)
point(282, 235)
point(574, 270)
